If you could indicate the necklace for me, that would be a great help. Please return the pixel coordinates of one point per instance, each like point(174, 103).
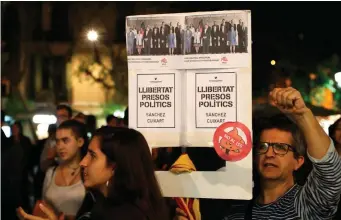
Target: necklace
point(73, 170)
point(73, 177)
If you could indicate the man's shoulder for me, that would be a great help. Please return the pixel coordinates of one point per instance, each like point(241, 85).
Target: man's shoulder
point(238, 209)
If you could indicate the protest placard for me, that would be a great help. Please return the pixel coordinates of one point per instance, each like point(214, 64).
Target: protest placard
point(190, 86)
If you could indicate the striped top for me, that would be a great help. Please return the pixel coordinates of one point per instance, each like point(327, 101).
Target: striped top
point(317, 199)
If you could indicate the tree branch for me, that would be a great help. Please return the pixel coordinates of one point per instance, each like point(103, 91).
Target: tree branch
point(99, 80)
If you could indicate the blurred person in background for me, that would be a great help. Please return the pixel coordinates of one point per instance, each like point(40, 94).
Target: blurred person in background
point(91, 124)
point(120, 122)
point(4, 138)
point(80, 117)
point(12, 166)
point(48, 156)
point(112, 121)
point(20, 140)
point(126, 117)
point(335, 134)
point(63, 189)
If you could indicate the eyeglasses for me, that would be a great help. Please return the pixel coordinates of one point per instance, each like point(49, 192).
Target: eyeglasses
point(279, 148)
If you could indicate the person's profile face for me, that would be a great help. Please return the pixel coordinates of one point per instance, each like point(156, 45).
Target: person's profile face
point(96, 170)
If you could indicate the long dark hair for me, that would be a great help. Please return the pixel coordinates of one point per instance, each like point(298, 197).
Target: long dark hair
point(134, 180)
point(79, 130)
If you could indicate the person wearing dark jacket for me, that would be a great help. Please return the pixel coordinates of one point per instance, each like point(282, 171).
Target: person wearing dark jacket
point(11, 176)
point(18, 139)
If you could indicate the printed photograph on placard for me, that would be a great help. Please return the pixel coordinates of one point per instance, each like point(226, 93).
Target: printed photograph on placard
point(219, 39)
point(215, 99)
point(216, 33)
point(154, 36)
point(156, 100)
point(189, 40)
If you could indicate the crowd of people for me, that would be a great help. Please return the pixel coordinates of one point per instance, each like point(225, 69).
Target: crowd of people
point(48, 170)
point(202, 38)
point(111, 175)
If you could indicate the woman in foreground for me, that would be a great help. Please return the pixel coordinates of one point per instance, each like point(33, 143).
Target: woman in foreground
point(118, 172)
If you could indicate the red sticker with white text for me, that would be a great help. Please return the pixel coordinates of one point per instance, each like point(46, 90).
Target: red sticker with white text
point(232, 141)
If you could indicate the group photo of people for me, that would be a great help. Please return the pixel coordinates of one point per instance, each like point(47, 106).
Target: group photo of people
point(215, 34)
point(154, 36)
point(219, 34)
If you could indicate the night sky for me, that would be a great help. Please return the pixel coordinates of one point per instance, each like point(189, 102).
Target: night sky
point(276, 27)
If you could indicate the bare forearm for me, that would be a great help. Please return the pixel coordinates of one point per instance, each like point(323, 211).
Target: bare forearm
point(317, 140)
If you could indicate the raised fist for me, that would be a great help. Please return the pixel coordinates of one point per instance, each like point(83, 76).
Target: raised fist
point(288, 100)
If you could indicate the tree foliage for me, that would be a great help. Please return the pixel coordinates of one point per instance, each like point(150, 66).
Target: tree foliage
point(316, 84)
point(100, 16)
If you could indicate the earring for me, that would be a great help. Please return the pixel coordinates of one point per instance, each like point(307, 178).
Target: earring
point(107, 183)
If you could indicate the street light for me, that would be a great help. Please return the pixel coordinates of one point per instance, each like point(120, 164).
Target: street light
point(273, 62)
point(92, 35)
point(338, 78)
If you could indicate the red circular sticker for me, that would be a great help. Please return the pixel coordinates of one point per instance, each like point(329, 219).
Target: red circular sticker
point(232, 141)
